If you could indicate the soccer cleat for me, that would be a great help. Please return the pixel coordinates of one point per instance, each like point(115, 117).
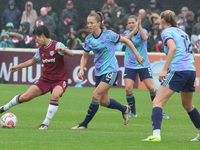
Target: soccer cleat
point(164, 116)
point(79, 127)
point(43, 127)
point(126, 115)
point(131, 115)
point(1, 110)
point(153, 138)
point(197, 138)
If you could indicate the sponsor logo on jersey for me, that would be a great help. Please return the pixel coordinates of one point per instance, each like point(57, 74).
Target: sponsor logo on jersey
point(48, 60)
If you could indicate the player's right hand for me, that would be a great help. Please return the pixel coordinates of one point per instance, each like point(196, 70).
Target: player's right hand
point(162, 75)
point(80, 74)
point(140, 60)
point(13, 69)
point(58, 49)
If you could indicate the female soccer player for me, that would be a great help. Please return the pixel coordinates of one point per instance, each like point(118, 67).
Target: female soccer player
point(139, 37)
point(103, 44)
point(178, 74)
point(53, 77)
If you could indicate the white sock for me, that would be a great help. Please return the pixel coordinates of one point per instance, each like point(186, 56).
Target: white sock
point(156, 132)
point(12, 103)
point(198, 131)
point(50, 113)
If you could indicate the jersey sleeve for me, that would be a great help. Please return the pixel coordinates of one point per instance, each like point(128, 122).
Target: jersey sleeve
point(166, 36)
point(114, 37)
point(37, 55)
point(86, 46)
point(145, 31)
point(125, 33)
point(59, 44)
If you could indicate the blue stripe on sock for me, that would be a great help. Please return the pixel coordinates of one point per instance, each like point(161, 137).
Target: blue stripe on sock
point(130, 96)
point(108, 103)
point(94, 103)
point(153, 94)
point(131, 102)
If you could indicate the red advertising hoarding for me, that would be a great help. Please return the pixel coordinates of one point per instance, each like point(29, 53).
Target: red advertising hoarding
point(31, 74)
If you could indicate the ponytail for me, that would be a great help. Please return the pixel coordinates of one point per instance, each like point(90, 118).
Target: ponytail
point(170, 17)
point(99, 18)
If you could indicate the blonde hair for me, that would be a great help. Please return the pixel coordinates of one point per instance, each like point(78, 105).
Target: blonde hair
point(170, 17)
point(99, 18)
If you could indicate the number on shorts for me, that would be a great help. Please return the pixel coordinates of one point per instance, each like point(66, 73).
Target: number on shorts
point(109, 75)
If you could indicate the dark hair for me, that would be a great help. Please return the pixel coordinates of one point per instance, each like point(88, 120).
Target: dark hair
point(42, 30)
point(132, 16)
point(170, 17)
point(99, 18)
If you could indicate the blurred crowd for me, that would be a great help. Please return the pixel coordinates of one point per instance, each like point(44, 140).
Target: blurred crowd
point(17, 26)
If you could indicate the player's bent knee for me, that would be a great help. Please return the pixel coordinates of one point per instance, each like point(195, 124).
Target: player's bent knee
point(156, 103)
point(152, 89)
point(129, 90)
point(55, 97)
point(24, 98)
point(96, 97)
point(187, 107)
point(103, 103)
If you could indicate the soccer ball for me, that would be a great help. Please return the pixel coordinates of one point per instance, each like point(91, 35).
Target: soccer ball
point(77, 80)
point(8, 120)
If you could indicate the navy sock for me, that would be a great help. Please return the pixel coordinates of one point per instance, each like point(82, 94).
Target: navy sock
point(90, 113)
point(113, 104)
point(153, 95)
point(195, 117)
point(156, 118)
point(131, 102)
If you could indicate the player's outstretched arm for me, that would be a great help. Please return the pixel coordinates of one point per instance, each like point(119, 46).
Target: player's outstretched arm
point(143, 34)
point(170, 56)
point(139, 58)
point(83, 62)
point(27, 63)
point(133, 32)
point(65, 50)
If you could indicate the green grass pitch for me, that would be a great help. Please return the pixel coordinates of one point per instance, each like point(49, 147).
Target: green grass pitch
point(105, 132)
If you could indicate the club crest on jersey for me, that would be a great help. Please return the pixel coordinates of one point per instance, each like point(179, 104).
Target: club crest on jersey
point(51, 53)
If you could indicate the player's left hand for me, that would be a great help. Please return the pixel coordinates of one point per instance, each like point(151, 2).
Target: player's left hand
point(162, 75)
point(58, 49)
point(13, 69)
point(139, 20)
point(140, 60)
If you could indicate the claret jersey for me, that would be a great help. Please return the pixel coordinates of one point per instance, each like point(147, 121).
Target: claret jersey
point(53, 62)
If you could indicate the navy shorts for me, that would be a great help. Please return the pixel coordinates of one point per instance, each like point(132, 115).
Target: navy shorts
point(110, 78)
point(144, 73)
point(180, 81)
